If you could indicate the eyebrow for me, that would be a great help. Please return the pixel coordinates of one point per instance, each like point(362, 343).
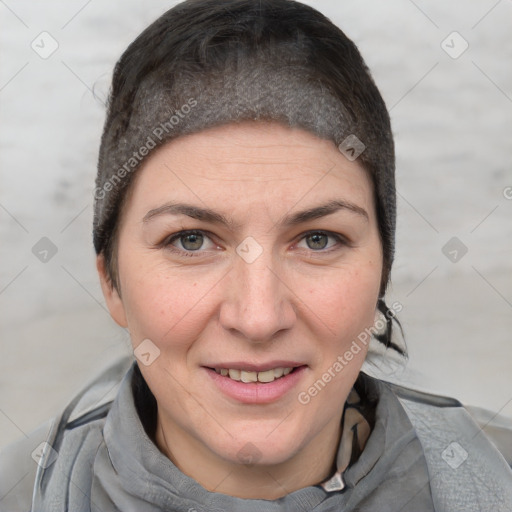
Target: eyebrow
point(289, 220)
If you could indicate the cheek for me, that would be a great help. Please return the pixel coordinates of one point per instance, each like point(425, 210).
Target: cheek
point(346, 302)
point(165, 306)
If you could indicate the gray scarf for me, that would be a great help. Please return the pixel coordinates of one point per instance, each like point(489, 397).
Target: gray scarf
point(111, 464)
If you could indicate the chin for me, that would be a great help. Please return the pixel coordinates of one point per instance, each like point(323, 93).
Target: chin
point(260, 448)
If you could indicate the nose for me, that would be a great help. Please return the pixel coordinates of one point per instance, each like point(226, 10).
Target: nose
point(258, 300)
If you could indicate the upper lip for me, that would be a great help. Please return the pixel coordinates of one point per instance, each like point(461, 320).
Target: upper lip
point(251, 367)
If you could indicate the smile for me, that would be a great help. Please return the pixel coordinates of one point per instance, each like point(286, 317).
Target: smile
point(252, 376)
point(253, 384)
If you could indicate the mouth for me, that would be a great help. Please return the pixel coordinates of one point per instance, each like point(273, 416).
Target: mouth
point(248, 376)
point(256, 384)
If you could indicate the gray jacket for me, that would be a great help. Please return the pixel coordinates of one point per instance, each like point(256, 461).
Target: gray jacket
point(425, 453)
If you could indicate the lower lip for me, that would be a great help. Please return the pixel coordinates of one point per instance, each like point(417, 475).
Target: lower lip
point(257, 392)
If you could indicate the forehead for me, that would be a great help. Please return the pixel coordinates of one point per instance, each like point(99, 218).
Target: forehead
point(232, 162)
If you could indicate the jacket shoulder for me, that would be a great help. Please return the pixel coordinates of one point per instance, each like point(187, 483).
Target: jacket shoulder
point(26, 462)
point(497, 428)
point(467, 471)
point(422, 397)
point(18, 468)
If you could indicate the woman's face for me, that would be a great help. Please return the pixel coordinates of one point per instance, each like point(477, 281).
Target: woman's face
point(280, 270)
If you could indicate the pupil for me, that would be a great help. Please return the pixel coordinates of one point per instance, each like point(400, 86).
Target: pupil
point(316, 238)
point(196, 240)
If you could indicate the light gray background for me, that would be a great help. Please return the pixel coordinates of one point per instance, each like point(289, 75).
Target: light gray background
point(452, 120)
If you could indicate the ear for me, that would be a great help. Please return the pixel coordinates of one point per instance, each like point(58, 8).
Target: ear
point(114, 303)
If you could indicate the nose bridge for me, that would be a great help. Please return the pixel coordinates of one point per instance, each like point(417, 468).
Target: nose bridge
point(259, 304)
point(260, 279)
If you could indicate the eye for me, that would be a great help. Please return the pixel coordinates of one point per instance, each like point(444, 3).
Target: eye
point(196, 242)
point(188, 242)
point(319, 241)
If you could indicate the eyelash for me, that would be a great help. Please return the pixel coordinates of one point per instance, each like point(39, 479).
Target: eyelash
point(167, 243)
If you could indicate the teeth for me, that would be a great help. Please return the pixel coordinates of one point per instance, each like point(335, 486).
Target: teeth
point(248, 376)
point(267, 376)
point(278, 372)
point(234, 374)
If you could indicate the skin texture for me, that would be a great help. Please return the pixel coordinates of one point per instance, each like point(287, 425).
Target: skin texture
point(301, 299)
